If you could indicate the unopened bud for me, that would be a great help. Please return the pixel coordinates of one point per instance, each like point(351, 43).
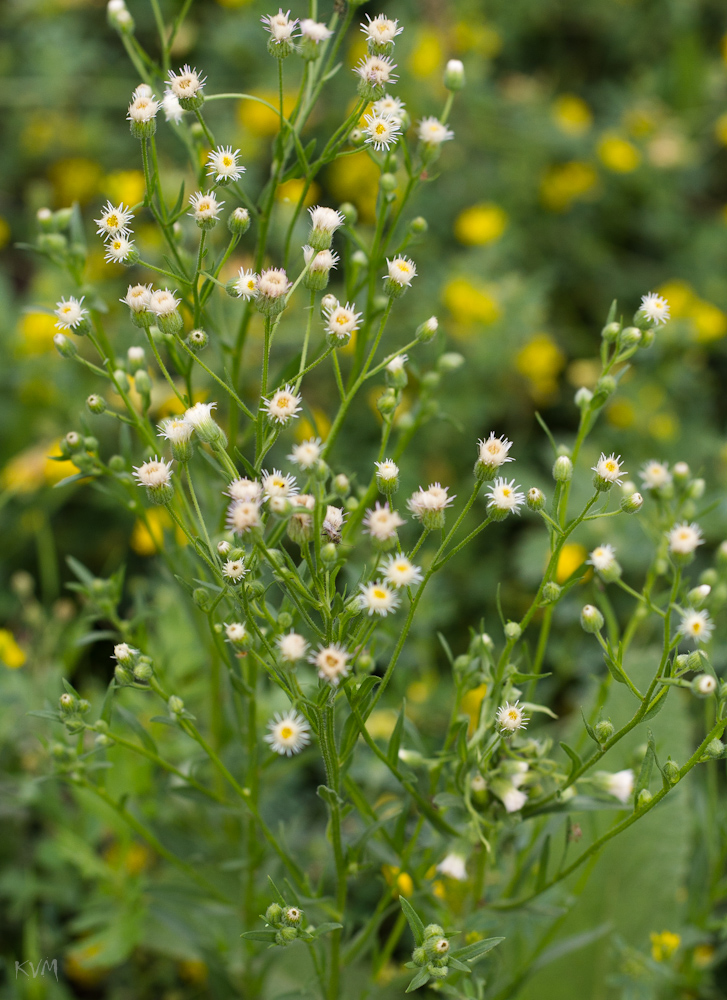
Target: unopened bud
point(551, 592)
point(630, 336)
point(535, 498)
point(454, 76)
point(65, 347)
point(197, 340)
point(562, 469)
point(273, 913)
point(450, 362)
point(644, 798)
point(591, 619)
point(513, 631)
point(427, 330)
point(715, 749)
point(704, 685)
point(583, 397)
point(632, 504)
point(341, 484)
point(604, 730)
point(176, 705)
point(238, 222)
point(419, 225)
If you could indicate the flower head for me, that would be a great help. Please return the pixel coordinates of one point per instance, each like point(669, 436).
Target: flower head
point(510, 718)
point(245, 284)
point(493, 452)
point(341, 322)
point(243, 516)
point(684, 538)
point(603, 558)
point(162, 302)
point(154, 473)
point(620, 784)
point(142, 109)
point(292, 647)
point(114, 220)
point(275, 484)
point(186, 84)
point(138, 298)
point(608, 471)
point(314, 31)
point(236, 633)
point(120, 250)
point(234, 570)
point(453, 866)
point(504, 498)
point(283, 405)
point(279, 25)
point(374, 73)
point(325, 220)
point(401, 572)
point(655, 308)
point(319, 260)
point(512, 798)
point(377, 598)
point(205, 208)
point(392, 106)
point(696, 625)
point(382, 522)
point(401, 271)
point(333, 522)
point(223, 165)
point(245, 489)
point(382, 130)
point(433, 133)
point(381, 29)
point(306, 454)
point(272, 287)
point(428, 506)
point(70, 313)
point(656, 475)
point(173, 110)
point(288, 733)
point(332, 663)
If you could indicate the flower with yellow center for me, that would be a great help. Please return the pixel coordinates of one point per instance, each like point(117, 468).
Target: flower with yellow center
point(664, 945)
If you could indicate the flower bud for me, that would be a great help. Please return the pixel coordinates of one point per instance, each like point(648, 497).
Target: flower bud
point(273, 913)
point(436, 947)
point(644, 798)
point(583, 398)
point(551, 592)
point(341, 485)
point(698, 595)
point(630, 336)
point(96, 403)
point(454, 78)
point(632, 504)
point(433, 931)
point(68, 705)
point(65, 347)
point(292, 916)
point(704, 685)
point(427, 330)
point(715, 749)
point(450, 362)
point(604, 730)
point(144, 671)
point(197, 340)
point(591, 619)
point(285, 935)
point(176, 705)
point(513, 631)
point(562, 469)
point(122, 380)
point(611, 331)
point(419, 225)
point(671, 772)
point(238, 222)
point(388, 182)
point(142, 384)
point(387, 402)
point(419, 956)
point(535, 498)
point(696, 489)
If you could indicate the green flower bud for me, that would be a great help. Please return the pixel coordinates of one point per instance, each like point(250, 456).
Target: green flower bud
point(387, 402)
point(632, 504)
point(419, 225)
point(704, 685)
point(450, 362)
point(273, 913)
point(535, 498)
point(341, 485)
point(197, 340)
point(454, 76)
point(238, 222)
point(715, 749)
point(176, 705)
point(419, 956)
point(427, 330)
point(144, 671)
point(647, 338)
point(65, 347)
point(285, 935)
point(591, 619)
point(562, 469)
point(551, 592)
point(604, 730)
point(292, 916)
point(513, 631)
point(68, 705)
point(433, 931)
point(630, 336)
point(611, 331)
point(643, 798)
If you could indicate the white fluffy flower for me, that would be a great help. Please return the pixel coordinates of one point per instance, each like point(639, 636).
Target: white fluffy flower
point(453, 866)
point(325, 220)
point(377, 598)
point(510, 718)
point(154, 473)
point(387, 471)
point(205, 207)
point(494, 451)
point(388, 105)
point(234, 570)
point(114, 220)
point(705, 684)
point(276, 484)
point(245, 284)
point(401, 270)
point(306, 454)
point(243, 516)
point(176, 430)
point(162, 303)
point(655, 308)
point(656, 475)
point(319, 260)
point(236, 633)
point(119, 249)
point(314, 31)
point(513, 799)
point(332, 663)
point(342, 321)
point(200, 417)
point(249, 490)
point(609, 469)
point(279, 25)
point(504, 497)
point(396, 364)
point(435, 498)
point(382, 522)
point(376, 71)
point(603, 558)
point(137, 298)
point(382, 130)
point(283, 405)
point(292, 647)
point(381, 29)
point(186, 83)
point(684, 538)
point(288, 734)
point(696, 625)
point(432, 132)
point(142, 109)
point(173, 110)
point(401, 572)
point(273, 283)
point(223, 165)
point(70, 313)
point(620, 784)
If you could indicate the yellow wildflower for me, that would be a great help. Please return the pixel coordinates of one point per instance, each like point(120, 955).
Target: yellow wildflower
point(571, 114)
point(565, 183)
point(540, 361)
point(4, 232)
point(75, 179)
point(471, 36)
point(480, 224)
point(664, 945)
point(380, 724)
point(81, 965)
point(291, 191)
point(259, 118)
point(194, 970)
point(36, 331)
point(708, 320)
point(621, 413)
point(30, 469)
point(320, 426)
point(571, 557)
point(471, 703)
point(356, 178)
point(720, 129)
point(401, 882)
point(10, 652)
point(124, 186)
point(680, 297)
point(703, 955)
point(663, 426)
point(468, 303)
point(147, 536)
point(618, 154)
point(427, 55)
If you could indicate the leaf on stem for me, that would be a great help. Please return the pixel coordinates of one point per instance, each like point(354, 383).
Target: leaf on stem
point(417, 927)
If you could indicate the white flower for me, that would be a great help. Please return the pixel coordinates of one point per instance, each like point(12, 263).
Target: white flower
point(396, 364)
point(186, 83)
point(401, 270)
point(273, 283)
point(325, 220)
point(684, 538)
point(388, 105)
point(377, 598)
point(609, 469)
point(176, 430)
point(696, 625)
point(603, 558)
point(453, 866)
point(124, 653)
point(236, 632)
point(154, 473)
point(655, 308)
point(382, 522)
point(342, 321)
point(137, 298)
point(382, 130)
point(205, 207)
point(513, 799)
point(279, 25)
point(333, 522)
point(115, 6)
point(114, 220)
point(119, 249)
point(376, 71)
point(173, 110)
point(322, 260)
point(401, 572)
point(504, 497)
point(510, 718)
point(70, 313)
point(234, 570)
point(275, 484)
point(248, 490)
point(381, 29)
point(387, 471)
point(245, 284)
point(706, 684)
point(306, 454)
point(136, 355)
point(243, 516)
point(162, 303)
point(314, 30)
point(292, 647)
point(332, 663)
point(494, 451)
point(200, 417)
point(620, 784)
point(283, 405)
point(434, 498)
point(288, 734)
point(432, 132)
point(143, 109)
point(223, 165)
point(656, 475)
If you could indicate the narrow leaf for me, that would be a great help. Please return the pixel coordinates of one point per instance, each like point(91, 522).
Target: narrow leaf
point(417, 927)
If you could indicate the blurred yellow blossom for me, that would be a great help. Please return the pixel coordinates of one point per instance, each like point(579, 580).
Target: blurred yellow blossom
point(147, 536)
point(4, 232)
point(663, 426)
point(584, 371)
point(471, 703)
point(469, 303)
point(571, 557)
point(621, 413)
point(680, 297)
point(540, 361)
point(75, 179)
point(356, 178)
point(259, 118)
point(703, 955)
point(474, 36)
point(10, 652)
point(320, 426)
point(36, 331)
point(709, 321)
point(81, 965)
point(427, 56)
point(401, 882)
point(564, 183)
point(618, 154)
point(380, 724)
point(664, 945)
point(124, 186)
point(720, 129)
point(291, 191)
point(32, 468)
point(357, 50)
point(641, 121)
point(571, 114)
point(479, 224)
point(134, 857)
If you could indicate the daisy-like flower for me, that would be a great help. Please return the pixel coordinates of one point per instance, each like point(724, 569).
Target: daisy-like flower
point(401, 572)
point(655, 475)
point(162, 302)
point(124, 654)
point(696, 625)
point(432, 132)
point(510, 718)
point(341, 322)
point(401, 271)
point(324, 219)
point(603, 558)
point(620, 784)
point(114, 220)
point(387, 476)
point(178, 433)
point(143, 90)
point(512, 798)
point(319, 260)
point(504, 498)
point(332, 523)
point(289, 733)
point(243, 516)
point(655, 308)
point(279, 25)
point(377, 599)
point(205, 209)
point(381, 29)
point(223, 165)
point(275, 484)
point(306, 454)
point(70, 313)
point(138, 298)
point(314, 31)
point(245, 284)
point(142, 109)
point(396, 365)
point(248, 490)
point(292, 646)
point(388, 105)
point(155, 472)
point(236, 633)
point(382, 131)
point(374, 72)
point(608, 471)
point(684, 538)
point(200, 417)
point(382, 523)
point(120, 250)
point(453, 866)
point(234, 570)
point(493, 452)
point(300, 524)
point(272, 288)
point(429, 506)
point(283, 405)
point(187, 87)
point(173, 110)
point(332, 663)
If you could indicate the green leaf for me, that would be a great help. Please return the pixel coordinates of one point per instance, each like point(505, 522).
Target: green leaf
point(133, 723)
point(474, 952)
point(547, 431)
point(108, 702)
point(165, 720)
point(647, 765)
point(575, 759)
point(325, 929)
point(422, 977)
point(70, 688)
point(658, 703)
point(45, 713)
point(276, 892)
point(180, 199)
point(417, 927)
point(392, 753)
point(73, 479)
point(268, 936)
point(329, 796)
point(446, 647)
point(84, 575)
point(590, 730)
